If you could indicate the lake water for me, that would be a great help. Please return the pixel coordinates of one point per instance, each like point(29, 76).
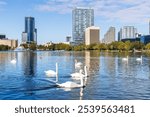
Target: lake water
point(109, 76)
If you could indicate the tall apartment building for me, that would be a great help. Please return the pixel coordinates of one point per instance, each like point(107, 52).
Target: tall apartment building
point(128, 32)
point(92, 35)
point(82, 18)
point(30, 33)
point(110, 35)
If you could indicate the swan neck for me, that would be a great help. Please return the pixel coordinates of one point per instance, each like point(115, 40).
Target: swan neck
point(56, 72)
point(82, 83)
point(56, 69)
point(56, 78)
point(75, 61)
point(85, 71)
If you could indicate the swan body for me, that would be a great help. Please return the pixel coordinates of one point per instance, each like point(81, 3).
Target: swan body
point(77, 74)
point(52, 73)
point(139, 59)
point(125, 59)
point(13, 61)
point(78, 64)
point(70, 84)
point(80, 74)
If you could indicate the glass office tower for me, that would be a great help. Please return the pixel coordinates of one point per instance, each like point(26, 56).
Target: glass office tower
point(82, 18)
point(30, 34)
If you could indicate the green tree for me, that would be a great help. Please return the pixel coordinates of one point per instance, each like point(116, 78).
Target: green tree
point(147, 46)
point(127, 45)
point(41, 47)
point(24, 45)
point(137, 45)
point(96, 47)
point(121, 46)
point(32, 46)
point(80, 47)
point(110, 46)
point(102, 46)
point(4, 47)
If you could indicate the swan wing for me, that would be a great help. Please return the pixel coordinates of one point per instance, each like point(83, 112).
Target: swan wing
point(75, 75)
point(50, 72)
point(13, 61)
point(124, 59)
point(68, 84)
point(78, 64)
point(138, 59)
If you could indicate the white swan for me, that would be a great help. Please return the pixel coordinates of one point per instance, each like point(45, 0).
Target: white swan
point(77, 74)
point(139, 59)
point(80, 74)
point(125, 59)
point(77, 64)
point(52, 73)
point(70, 84)
point(13, 61)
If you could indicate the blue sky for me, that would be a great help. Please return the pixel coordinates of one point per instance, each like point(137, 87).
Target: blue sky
point(54, 18)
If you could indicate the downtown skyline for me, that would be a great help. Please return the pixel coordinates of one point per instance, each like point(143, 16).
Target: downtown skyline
point(54, 17)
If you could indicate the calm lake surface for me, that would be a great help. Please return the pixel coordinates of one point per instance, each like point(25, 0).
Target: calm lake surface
point(109, 76)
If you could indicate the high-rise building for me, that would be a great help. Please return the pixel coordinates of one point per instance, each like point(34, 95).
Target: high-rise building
point(68, 38)
point(30, 33)
point(110, 35)
point(128, 32)
point(24, 37)
point(82, 18)
point(119, 33)
point(149, 26)
point(92, 35)
point(2, 36)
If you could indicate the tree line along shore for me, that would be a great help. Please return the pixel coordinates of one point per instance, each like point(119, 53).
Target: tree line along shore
point(114, 46)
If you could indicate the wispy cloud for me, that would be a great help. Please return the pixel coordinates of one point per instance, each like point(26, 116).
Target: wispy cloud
point(2, 2)
point(123, 10)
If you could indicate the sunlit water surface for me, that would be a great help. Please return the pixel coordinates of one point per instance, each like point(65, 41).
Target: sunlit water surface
point(109, 76)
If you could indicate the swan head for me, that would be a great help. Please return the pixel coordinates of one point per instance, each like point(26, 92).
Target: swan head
point(81, 71)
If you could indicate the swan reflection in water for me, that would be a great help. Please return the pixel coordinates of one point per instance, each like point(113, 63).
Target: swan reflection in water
point(139, 59)
point(52, 73)
point(81, 94)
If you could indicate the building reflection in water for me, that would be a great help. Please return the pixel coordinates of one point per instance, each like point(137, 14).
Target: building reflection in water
point(29, 63)
point(92, 61)
point(29, 68)
point(109, 61)
point(5, 59)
